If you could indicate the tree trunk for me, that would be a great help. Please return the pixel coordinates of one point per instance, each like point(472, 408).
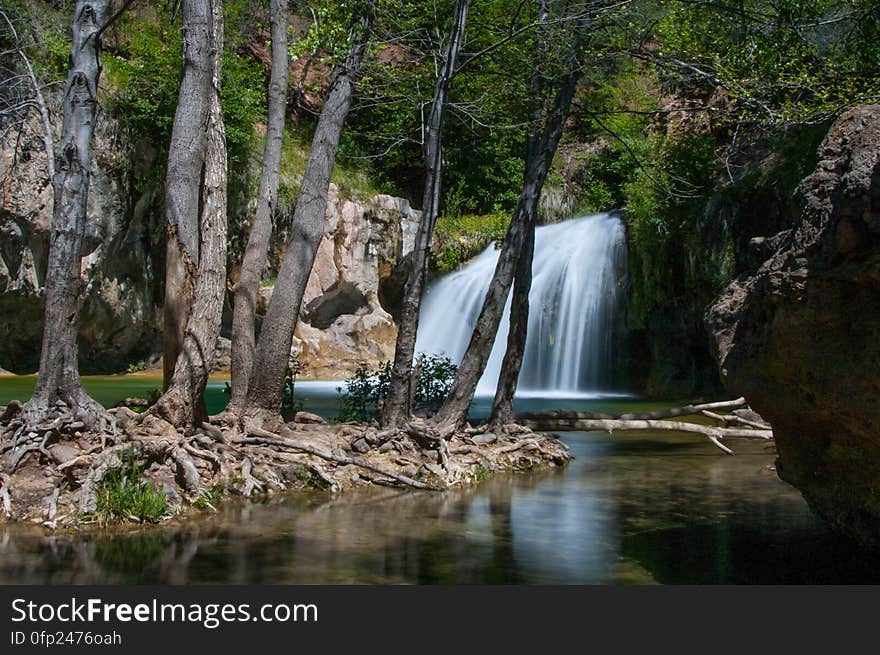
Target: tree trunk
point(396, 409)
point(58, 378)
point(266, 388)
point(454, 411)
point(186, 155)
point(183, 404)
point(502, 406)
point(244, 311)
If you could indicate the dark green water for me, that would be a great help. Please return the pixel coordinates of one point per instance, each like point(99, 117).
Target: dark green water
point(631, 509)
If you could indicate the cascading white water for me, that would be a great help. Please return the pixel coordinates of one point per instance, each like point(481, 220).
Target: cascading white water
point(578, 279)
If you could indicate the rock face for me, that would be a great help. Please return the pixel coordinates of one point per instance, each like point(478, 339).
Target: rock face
point(800, 335)
point(121, 315)
point(343, 322)
point(119, 318)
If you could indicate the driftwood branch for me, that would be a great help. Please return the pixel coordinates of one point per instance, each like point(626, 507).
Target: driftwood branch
point(686, 410)
point(650, 421)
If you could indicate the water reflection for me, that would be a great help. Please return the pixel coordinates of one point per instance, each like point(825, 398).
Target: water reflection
point(627, 510)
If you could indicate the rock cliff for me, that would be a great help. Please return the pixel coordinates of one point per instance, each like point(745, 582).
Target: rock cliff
point(119, 316)
point(343, 319)
point(800, 334)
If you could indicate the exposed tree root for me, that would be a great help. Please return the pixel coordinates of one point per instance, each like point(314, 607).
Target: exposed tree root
point(54, 471)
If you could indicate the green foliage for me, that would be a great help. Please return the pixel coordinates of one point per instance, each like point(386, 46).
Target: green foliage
point(780, 61)
point(294, 368)
point(366, 389)
point(122, 494)
point(306, 477)
point(364, 392)
point(136, 367)
point(145, 70)
point(483, 132)
point(672, 262)
point(435, 381)
point(458, 238)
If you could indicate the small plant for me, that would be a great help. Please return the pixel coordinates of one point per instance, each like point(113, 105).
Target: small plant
point(294, 368)
point(208, 499)
point(438, 374)
point(153, 396)
point(122, 494)
point(306, 477)
point(136, 368)
point(365, 391)
point(480, 473)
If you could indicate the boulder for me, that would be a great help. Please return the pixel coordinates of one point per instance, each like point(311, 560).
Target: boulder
point(799, 335)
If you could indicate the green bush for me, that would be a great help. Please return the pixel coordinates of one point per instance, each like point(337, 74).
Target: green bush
point(294, 368)
point(365, 391)
point(122, 494)
point(136, 367)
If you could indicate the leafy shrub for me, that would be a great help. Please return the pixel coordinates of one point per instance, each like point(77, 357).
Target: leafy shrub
point(365, 391)
point(294, 368)
point(136, 367)
point(435, 382)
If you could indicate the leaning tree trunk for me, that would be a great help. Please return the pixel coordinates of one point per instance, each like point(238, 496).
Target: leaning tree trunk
point(266, 388)
point(502, 406)
point(183, 404)
point(397, 406)
point(454, 410)
point(186, 154)
point(58, 378)
point(244, 311)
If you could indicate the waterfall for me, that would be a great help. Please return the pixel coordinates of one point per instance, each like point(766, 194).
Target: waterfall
point(577, 286)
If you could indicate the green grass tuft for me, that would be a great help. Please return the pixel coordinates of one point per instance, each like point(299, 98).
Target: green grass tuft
point(122, 494)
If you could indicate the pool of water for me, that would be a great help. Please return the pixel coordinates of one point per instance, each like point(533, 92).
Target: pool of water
point(630, 509)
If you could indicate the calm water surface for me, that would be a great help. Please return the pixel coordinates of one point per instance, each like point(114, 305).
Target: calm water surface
point(630, 509)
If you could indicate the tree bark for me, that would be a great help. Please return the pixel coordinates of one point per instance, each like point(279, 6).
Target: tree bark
point(186, 155)
point(397, 408)
point(502, 405)
point(255, 254)
point(266, 387)
point(454, 410)
point(182, 404)
point(58, 377)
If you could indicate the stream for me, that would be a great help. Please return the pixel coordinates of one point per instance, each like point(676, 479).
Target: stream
point(630, 509)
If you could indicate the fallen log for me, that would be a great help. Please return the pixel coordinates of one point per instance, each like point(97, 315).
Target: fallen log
point(713, 433)
point(671, 412)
